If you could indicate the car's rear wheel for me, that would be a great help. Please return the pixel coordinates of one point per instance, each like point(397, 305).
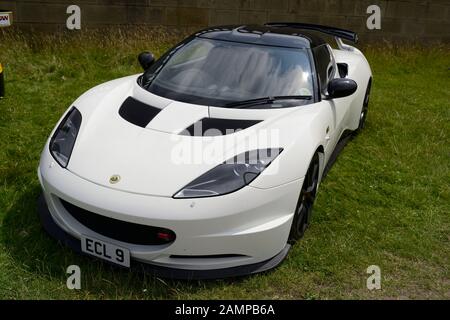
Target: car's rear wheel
point(365, 108)
point(305, 203)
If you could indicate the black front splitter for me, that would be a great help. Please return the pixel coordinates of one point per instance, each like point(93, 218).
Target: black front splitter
point(165, 272)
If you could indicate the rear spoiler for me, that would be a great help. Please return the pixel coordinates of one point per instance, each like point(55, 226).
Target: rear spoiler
point(338, 33)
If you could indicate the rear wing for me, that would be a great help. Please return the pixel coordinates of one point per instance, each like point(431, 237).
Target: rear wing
point(336, 32)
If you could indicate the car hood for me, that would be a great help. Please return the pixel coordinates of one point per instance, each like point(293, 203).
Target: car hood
point(155, 159)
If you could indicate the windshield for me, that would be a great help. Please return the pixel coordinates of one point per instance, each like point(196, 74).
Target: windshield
point(214, 73)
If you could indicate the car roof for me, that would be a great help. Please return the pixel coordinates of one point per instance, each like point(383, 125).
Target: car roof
point(281, 36)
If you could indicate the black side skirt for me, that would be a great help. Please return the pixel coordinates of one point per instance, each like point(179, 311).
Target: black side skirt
point(345, 138)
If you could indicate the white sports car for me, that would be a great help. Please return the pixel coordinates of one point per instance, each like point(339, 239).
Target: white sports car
point(207, 164)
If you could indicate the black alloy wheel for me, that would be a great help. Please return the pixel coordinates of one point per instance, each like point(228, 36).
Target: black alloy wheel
point(305, 203)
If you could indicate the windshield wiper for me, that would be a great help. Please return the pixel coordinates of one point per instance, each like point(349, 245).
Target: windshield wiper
point(265, 100)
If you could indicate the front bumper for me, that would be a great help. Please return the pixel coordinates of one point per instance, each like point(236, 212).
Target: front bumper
point(166, 272)
point(248, 229)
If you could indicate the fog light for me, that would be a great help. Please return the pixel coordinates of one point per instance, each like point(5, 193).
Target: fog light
point(165, 236)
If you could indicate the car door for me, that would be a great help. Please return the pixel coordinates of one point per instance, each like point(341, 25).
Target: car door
point(326, 70)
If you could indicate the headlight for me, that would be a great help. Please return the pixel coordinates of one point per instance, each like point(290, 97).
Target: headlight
point(63, 140)
point(231, 175)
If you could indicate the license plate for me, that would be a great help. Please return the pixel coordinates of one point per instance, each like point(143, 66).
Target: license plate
point(105, 251)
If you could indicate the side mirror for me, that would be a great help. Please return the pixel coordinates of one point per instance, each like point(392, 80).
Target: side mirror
point(339, 88)
point(146, 59)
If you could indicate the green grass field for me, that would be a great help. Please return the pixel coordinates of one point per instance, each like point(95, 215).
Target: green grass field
point(386, 201)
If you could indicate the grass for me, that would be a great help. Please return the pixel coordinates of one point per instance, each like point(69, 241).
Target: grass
point(386, 201)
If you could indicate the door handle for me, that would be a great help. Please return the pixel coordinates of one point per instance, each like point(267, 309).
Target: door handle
point(327, 137)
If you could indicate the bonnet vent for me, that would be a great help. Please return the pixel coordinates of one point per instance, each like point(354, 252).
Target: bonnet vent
point(217, 127)
point(138, 113)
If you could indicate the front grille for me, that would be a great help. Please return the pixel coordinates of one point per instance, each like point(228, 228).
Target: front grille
point(120, 230)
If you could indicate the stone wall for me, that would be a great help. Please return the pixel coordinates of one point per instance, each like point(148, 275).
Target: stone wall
point(400, 19)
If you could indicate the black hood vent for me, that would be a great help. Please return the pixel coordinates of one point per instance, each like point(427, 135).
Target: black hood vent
point(138, 113)
point(217, 127)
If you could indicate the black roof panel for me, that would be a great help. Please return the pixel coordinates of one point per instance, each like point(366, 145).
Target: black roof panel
point(265, 35)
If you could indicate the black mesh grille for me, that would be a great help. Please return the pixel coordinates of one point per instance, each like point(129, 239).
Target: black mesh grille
point(120, 230)
point(217, 127)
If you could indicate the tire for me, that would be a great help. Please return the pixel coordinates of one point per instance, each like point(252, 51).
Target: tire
point(365, 109)
point(305, 202)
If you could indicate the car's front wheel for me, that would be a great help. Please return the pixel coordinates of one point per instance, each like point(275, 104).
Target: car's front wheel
point(306, 201)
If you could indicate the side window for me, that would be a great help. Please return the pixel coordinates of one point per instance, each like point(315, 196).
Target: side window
point(325, 66)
